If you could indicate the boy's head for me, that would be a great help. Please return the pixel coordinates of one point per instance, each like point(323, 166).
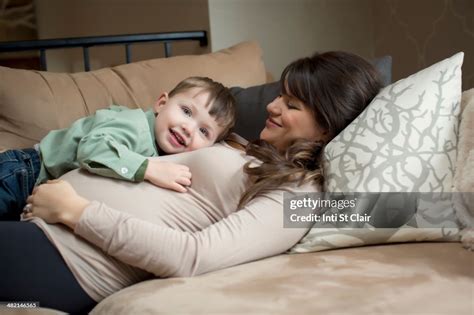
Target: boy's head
point(195, 114)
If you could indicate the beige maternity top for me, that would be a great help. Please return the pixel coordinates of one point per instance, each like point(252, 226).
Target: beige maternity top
point(135, 231)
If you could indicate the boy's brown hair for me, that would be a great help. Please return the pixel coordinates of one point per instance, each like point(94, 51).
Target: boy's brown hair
point(221, 102)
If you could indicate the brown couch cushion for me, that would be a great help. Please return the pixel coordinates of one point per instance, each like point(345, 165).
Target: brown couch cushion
point(34, 102)
point(419, 278)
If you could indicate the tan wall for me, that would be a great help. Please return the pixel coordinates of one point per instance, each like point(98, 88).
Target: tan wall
point(416, 33)
point(17, 23)
point(16, 33)
point(421, 32)
point(72, 18)
point(289, 29)
point(17, 20)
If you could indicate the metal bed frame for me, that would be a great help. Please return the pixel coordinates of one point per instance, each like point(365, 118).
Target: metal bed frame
point(87, 42)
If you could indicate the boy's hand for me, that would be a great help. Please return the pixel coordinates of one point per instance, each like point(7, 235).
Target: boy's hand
point(168, 175)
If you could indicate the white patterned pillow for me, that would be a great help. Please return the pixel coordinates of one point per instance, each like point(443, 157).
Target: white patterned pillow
point(405, 141)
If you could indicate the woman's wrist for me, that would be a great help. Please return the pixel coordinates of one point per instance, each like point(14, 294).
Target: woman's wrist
point(72, 216)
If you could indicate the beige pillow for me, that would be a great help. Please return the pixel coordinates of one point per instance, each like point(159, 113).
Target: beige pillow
point(464, 176)
point(405, 141)
point(34, 102)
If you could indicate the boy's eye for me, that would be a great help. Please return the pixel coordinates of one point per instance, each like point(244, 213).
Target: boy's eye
point(204, 131)
point(186, 110)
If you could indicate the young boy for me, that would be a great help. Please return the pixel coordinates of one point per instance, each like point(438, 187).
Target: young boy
point(117, 142)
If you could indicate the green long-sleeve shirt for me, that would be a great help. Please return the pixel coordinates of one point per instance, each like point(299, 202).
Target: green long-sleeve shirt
point(114, 142)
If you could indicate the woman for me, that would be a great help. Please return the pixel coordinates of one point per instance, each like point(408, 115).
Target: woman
point(144, 232)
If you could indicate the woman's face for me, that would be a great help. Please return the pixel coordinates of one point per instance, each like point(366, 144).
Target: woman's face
point(289, 119)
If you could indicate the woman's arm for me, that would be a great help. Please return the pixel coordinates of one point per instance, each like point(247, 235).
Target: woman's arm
point(56, 202)
point(253, 232)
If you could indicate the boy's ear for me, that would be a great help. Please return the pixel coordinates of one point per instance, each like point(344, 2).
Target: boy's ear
point(162, 100)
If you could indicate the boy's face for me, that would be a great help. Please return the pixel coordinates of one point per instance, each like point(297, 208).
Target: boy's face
point(184, 123)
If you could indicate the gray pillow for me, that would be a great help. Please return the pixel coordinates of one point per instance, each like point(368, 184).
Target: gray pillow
point(384, 67)
point(252, 101)
point(251, 108)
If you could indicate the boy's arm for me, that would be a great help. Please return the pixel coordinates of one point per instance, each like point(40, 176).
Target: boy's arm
point(117, 144)
point(111, 156)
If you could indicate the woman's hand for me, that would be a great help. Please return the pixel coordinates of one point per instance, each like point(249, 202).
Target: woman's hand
point(56, 202)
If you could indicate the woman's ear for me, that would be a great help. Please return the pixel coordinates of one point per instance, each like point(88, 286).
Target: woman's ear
point(162, 100)
point(326, 136)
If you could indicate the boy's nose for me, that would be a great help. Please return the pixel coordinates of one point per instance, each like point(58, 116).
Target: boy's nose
point(188, 129)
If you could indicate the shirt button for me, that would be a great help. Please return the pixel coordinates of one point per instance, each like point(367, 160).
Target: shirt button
point(124, 170)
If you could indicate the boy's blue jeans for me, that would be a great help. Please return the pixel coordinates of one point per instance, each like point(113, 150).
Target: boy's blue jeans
point(19, 170)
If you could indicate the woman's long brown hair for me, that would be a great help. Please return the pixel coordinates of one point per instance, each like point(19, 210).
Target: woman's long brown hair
point(336, 87)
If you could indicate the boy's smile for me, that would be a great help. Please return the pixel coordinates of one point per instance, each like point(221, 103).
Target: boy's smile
point(183, 122)
point(176, 139)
